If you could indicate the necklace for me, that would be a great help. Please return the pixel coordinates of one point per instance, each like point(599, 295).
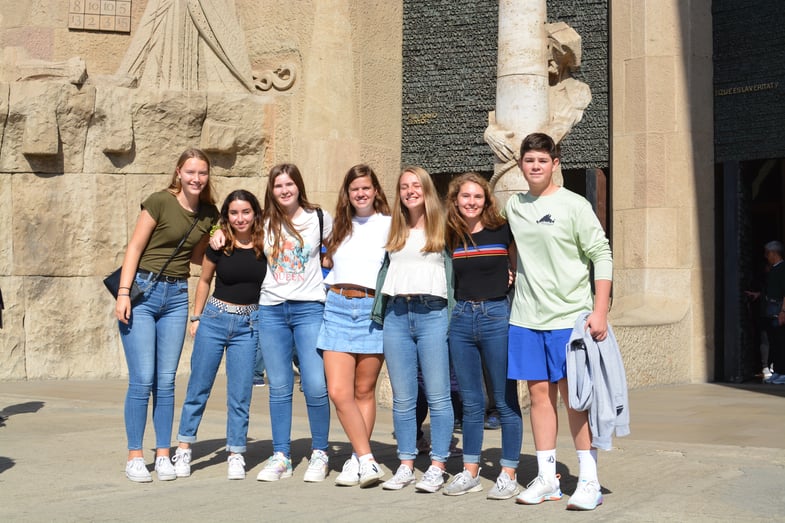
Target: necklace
point(243, 242)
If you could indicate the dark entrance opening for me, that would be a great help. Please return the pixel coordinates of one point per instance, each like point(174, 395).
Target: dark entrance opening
point(749, 211)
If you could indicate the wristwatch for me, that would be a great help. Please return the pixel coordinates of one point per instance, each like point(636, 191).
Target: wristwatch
point(196, 317)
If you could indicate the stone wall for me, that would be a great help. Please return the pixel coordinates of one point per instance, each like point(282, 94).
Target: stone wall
point(80, 150)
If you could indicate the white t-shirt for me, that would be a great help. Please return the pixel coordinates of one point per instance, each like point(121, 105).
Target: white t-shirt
point(415, 272)
point(296, 274)
point(360, 255)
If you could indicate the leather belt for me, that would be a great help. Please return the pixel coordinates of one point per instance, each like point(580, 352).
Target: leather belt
point(417, 298)
point(168, 279)
point(245, 310)
point(353, 292)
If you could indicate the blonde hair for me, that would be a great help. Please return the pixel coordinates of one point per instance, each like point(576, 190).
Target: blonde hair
point(434, 215)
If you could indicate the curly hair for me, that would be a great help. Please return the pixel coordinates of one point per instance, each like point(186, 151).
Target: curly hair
point(458, 231)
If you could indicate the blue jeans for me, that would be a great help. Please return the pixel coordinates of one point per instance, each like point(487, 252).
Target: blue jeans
point(478, 334)
point(153, 340)
point(282, 328)
point(415, 332)
point(219, 330)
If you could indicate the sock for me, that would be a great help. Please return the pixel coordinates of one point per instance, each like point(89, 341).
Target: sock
point(365, 458)
point(587, 461)
point(546, 463)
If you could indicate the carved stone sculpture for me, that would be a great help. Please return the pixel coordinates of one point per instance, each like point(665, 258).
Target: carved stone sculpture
point(189, 45)
point(535, 90)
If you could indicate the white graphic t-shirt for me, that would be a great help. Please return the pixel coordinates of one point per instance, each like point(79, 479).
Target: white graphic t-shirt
point(296, 273)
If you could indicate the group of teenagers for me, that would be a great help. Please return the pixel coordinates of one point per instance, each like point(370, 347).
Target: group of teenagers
point(422, 285)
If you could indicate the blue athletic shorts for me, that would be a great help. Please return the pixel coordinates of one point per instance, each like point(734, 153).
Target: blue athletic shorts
point(537, 355)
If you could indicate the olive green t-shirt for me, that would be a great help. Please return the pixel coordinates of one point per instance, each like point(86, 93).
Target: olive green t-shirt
point(171, 224)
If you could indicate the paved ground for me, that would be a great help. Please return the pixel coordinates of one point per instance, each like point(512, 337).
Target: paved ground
point(705, 452)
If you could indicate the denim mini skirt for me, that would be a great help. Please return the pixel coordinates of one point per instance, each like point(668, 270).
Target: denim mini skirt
point(347, 326)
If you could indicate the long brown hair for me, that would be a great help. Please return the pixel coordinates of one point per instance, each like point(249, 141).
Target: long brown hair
point(275, 216)
point(457, 229)
point(434, 215)
point(345, 211)
point(257, 227)
point(208, 193)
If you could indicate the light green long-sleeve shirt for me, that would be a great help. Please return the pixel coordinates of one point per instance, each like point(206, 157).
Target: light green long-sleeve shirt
point(557, 236)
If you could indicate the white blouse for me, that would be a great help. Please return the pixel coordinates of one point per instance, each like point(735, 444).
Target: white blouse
point(413, 271)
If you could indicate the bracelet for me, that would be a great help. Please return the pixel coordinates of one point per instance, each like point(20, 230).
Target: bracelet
point(118, 295)
point(129, 288)
point(196, 317)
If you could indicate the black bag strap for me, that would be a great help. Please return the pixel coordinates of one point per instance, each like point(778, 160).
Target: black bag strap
point(177, 249)
point(320, 215)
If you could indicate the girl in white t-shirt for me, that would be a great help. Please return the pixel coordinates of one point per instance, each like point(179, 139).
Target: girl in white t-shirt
point(351, 343)
point(290, 312)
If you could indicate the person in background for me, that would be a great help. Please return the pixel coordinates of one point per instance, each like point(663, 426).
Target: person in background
point(775, 311)
point(153, 329)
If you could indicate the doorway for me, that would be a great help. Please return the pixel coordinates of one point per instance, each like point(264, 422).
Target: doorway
point(749, 213)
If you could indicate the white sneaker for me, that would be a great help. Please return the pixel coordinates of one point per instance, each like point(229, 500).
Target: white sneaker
point(587, 496)
point(350, 474)
point(432, 480)
point(538, 490)
point(136, 470)
point(277, 467)
point(463, 483)
point(236, 464)
point(505, 487)
point(403, 476)
point(182, 462)
point(317, 467)
point(370, 474)
point(164, 469)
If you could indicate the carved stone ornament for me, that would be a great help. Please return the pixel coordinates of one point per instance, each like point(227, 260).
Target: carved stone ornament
point(281, 79)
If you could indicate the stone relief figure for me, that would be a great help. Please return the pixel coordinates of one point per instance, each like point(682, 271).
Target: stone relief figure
point(567, 96)
point(567, 99)
point(189, 45)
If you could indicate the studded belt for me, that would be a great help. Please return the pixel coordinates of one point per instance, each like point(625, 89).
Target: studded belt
point(232, 309)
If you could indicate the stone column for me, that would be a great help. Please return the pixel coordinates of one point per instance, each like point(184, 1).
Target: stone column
point(663, 189)
point(522, 80)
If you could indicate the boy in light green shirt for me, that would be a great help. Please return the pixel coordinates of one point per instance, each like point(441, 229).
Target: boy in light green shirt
point(557, 235)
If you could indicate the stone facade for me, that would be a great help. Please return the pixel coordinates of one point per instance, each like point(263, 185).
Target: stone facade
point(79, 152)
point(662, 189)
point(82, 146)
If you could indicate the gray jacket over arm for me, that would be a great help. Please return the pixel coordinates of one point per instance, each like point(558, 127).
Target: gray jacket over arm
point(596, 382)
